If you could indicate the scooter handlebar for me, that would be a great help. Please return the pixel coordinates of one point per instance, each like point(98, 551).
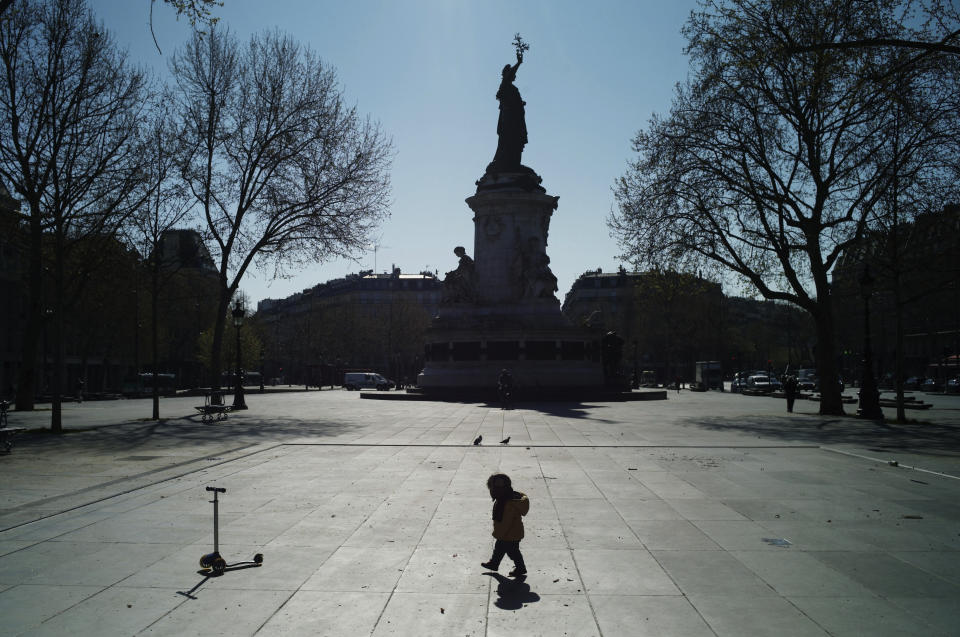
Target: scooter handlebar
point(217, 489)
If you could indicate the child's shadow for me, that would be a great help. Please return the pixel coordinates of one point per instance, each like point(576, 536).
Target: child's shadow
point(512, 594)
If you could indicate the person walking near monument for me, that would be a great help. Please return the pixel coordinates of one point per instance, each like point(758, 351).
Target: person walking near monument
point(509, 507)
point(790, 390)
point(505, 387)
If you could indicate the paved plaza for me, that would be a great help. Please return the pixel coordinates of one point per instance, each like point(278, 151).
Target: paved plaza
point(704, 514)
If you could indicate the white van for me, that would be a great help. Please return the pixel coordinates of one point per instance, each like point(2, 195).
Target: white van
point(365, 380)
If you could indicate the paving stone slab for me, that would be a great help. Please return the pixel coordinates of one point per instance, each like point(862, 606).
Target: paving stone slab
point(735, 616)
point(26, 607)
point(434, 614)
point(311, 613)
point(529, 613)
point(652, 616)
point(848, 617)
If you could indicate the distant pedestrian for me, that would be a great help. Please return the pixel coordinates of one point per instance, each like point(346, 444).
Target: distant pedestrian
point(505, 387)
point(790, 390)
point(79, 390)
point(509, 507)
point(677, 383)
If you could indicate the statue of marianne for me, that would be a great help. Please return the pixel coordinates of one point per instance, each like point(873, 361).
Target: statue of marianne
point(512, 126)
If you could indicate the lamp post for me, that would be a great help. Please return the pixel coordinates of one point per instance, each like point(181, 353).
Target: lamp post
point(869, 396)
point(237, 313)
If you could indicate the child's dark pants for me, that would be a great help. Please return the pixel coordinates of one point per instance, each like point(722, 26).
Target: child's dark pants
point(511, 549)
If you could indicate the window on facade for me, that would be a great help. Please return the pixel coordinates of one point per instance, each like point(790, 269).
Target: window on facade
point(573, 350)
point(466, 351)
point(541, 350)
point(503, 350)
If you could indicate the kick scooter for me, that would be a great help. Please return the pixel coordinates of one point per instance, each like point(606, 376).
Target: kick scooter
point(214, 561)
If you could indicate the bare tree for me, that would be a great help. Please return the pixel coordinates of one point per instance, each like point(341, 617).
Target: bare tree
point(166, 204)
point(282, 171)
point(922, 159)
point(939, 32)
point(196, 12)
point(69, 104)
point(767, 164)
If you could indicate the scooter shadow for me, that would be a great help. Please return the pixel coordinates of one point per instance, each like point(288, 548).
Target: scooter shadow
point(513, 594)
point(208, 574)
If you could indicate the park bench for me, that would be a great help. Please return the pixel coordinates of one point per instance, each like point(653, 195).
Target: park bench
point(7, 433)
point(213, 408)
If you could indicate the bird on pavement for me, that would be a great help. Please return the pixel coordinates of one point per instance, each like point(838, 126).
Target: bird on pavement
point(505, 441)
point(478, 439)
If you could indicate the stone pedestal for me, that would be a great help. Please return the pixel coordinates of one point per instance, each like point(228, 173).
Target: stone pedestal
point(512, 320)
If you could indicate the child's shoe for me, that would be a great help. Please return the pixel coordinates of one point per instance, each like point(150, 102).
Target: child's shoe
point(517, 572)
point(489, 566)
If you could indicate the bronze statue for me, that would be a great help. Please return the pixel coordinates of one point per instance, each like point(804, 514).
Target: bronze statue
point(512, 125)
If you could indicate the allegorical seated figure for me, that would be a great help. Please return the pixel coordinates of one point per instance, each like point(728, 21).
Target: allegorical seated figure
point(459, 285)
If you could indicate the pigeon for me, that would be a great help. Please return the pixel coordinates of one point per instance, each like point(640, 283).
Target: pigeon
point(478, 439)
point(505, 441)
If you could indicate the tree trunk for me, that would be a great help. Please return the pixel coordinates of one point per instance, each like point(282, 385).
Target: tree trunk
point(218, 328)
point(26, 383)
point(154, 340)
point(831, 403)
point(59, 351)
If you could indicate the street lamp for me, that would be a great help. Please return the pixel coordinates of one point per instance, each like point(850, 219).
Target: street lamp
point(869, 396)
point(237, 313)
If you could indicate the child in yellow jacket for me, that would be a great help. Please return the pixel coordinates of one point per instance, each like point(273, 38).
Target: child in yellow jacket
point(509, 507)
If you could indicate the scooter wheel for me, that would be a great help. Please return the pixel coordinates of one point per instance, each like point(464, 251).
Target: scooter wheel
point(219, 565)
point(207, 561)
point(258, 558)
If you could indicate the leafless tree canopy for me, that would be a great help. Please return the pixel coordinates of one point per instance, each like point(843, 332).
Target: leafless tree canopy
point(69, 105)
point(283, 171)
point(771, 163)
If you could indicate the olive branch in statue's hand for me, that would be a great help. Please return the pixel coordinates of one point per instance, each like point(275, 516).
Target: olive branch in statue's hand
point(520, 46)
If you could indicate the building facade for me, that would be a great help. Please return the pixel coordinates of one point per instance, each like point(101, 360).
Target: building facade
point(670, 320)
point(915, 269)
point(363, 321)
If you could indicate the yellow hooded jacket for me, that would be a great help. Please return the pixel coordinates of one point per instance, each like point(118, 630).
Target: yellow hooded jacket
point(510, 528)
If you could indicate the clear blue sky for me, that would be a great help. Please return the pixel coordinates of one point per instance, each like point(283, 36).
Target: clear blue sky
point(428, 71)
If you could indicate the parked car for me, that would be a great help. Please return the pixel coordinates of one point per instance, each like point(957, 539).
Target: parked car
point(913, 382)
point(365, 380)
point(931, 384)
point(807, 380)
point(953, 386)
point(763, 383)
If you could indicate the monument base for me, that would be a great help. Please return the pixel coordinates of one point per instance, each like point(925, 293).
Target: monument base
point(501, 311)
point(466, 353)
